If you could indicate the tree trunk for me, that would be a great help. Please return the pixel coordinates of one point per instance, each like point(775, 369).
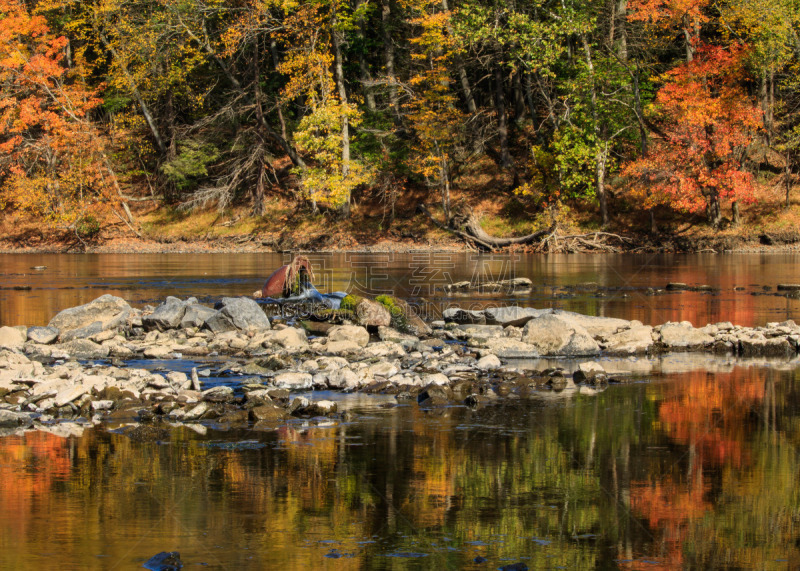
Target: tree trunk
point(388, 46)
point(258, 191)
point(339, 73)
point(273, 48)
point(602, 146)
point(736, 217)
point(519, 97)
point(502, 120)
point(788, 172)
point(621, 17)
point(713, 212)
point(366, 78)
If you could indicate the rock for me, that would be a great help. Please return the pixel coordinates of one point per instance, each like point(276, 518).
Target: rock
point(12, 337)
point(9, 419)
point(385, 350)
point(594, 326)
point(290, 338)
point(383, 369)
point(102, 405)
point(775, 347)
point(372, 314)
point(195, 380)
point(682, 336)
point(196, 315)
point(43, 335)
point(344, 379)
point(404, 318)
point(267, 412)
point(463, 316)
point(395, 336)
point(196, 412)
point(552, 335)
point(342, 347)
point(158, 352)
point(245, 313)
point(219, 323)
point(293, 381)
point(322, 408)
point(435, 379)
point(588, 372)
point(84, 349)
point(164, 561)
point(168, 315)
point(488, 362)
point(508, 348)
point(512, 315)
point(636, 340)
point(218, 394)
point(355, 333)
point(69, 394)
point(110, 311)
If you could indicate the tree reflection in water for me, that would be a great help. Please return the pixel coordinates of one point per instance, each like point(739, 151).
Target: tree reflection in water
point(699, 470)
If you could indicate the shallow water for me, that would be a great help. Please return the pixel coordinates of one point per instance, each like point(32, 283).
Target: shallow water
point(696, 466)
point(560, 280)
point(688, 471)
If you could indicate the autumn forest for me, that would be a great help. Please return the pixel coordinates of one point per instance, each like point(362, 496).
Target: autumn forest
point(662, 109)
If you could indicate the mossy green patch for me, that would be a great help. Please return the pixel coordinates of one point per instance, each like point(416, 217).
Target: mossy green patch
point(350, 302)
point(396, 311)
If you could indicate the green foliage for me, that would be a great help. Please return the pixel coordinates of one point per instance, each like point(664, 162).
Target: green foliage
point(186, 169)
point(87, 227)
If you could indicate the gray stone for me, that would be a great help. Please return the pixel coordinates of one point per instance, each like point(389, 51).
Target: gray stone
point(219, 323)
point(85, 332)
point(43, 335)
point(84, 349)
point(111, 311)
point(290, 338)
point(322, 408)
point(776, 347)
point(343, 347)
point(9, 419)
point(512, 315)
point(218, 394)
point(12, 337)
point(245, 313)
point(464, 316)
point(196, 315)
point(168, 315)
point(196, 412)
point(293, 381)
point(552, 335)
point(385, 349)
point(508, 348)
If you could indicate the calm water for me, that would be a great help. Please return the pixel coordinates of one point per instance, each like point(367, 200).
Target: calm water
point(699, 467)
point(73, 279)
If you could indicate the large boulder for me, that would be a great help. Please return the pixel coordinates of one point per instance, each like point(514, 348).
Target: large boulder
point(293, 381)
point(683, 337)
point(196, 315)
point(372, 314)
point(168, 315)
point(553, 335)
point(404, 318)
point(464, 316)
point(109, 311)
point(245, 313)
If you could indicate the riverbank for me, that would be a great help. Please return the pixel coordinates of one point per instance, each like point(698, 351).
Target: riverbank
point(161, 230)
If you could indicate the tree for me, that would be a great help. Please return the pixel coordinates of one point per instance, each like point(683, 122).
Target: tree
point(708, 121)
point(54, 162)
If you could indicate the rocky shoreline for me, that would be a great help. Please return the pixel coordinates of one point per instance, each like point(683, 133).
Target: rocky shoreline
point(85, 367)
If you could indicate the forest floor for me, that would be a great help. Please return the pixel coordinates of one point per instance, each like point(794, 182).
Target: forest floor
point(289, 225)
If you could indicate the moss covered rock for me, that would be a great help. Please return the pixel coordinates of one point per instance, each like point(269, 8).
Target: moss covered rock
point(403, 316)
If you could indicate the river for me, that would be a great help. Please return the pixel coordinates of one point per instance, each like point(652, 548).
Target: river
point(695, 467)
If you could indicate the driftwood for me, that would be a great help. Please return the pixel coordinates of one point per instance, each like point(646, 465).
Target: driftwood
point(466, 226)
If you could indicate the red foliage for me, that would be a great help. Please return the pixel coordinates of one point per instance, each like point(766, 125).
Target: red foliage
point(707, 120)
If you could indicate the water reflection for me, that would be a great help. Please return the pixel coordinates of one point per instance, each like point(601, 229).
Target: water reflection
point(696, 471)
point(620, 281)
